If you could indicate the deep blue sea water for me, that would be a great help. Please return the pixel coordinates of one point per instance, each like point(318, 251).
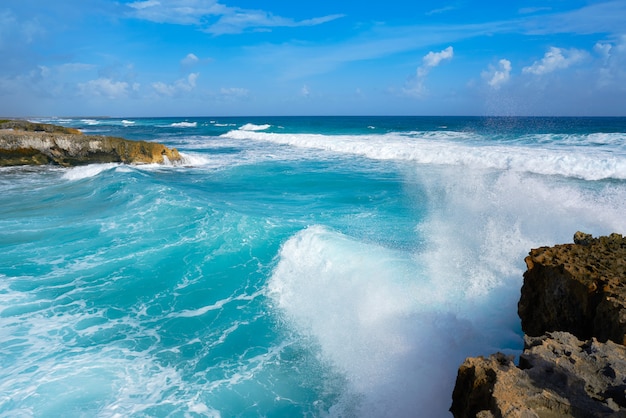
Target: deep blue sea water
point(289, 267)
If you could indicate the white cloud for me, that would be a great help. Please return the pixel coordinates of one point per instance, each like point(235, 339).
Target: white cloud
point(304, 91)
point(189, 60)
point(555, 59)
point(191, 80)
point(182, 85)
point(433, 59)
point(105, 87)
point(612, 72)
point(498, 76)
point(415, 87)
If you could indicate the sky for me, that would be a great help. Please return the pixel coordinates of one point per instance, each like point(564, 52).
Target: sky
point(133, 58)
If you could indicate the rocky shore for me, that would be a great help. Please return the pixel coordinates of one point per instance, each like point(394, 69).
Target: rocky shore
point(27, 143)
point(572, 308)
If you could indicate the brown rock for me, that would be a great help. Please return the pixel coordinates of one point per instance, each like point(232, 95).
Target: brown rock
point(579, 288)
point(559, 376)
point(19, 147)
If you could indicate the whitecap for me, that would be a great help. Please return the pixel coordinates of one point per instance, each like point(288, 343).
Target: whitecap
point(253, 127)
point(184, 124)
point(467, 150)
point(87, 171)
point(380, 318)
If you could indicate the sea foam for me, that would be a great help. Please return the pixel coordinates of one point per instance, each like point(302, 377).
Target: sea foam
point(250, 127)
point(184, 125)
point(398, 323)
point(86, 171)
point(461, 149)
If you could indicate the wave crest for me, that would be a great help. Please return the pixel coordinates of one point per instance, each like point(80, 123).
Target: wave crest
point(251, 127)
point(184, 124)
point(566, 158)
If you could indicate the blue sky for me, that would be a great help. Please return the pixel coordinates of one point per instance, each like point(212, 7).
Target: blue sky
point(269, 57)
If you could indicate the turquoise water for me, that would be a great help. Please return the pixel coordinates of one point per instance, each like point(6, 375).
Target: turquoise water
point(339, 267)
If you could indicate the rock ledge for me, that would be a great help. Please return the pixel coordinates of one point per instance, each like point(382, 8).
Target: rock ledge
point(27, 143)
point(572, 308)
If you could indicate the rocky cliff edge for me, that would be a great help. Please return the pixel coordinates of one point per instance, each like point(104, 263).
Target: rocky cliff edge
point(27, 143)
point(572, 308)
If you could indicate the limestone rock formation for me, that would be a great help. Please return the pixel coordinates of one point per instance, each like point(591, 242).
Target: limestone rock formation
point(574, 358)
point(578, 288)
point(558, 376)
point(23, 143)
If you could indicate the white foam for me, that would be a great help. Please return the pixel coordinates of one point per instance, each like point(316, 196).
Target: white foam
point(87, 171)
point(90, 122)
point(190, 313)
point(250, 127)
point(378, 319)
point(398, 324)
point(128, 122)
point(184, 124)
point(461, 149)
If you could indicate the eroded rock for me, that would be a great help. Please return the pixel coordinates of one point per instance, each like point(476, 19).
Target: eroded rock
point(574, 359)
point(36, 144)
point(578, 288)
point(559, 376)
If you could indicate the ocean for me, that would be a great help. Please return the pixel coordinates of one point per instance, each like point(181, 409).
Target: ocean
point(288, 266)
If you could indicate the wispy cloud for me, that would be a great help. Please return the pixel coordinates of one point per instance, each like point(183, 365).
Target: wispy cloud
point(14, 30)
point(555, 59)
point(215, 18)
point(415, 86)
point(441, 10)
point(613, 69)
point(232, 93)
point(258, 20)
point(531, 10)
point(183, 12)
point(191, 60)
point(107, 88)
point(182, 85)
point(603, 17)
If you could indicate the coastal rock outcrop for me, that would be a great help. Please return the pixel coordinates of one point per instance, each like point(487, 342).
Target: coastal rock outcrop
point(26, 143)
point(574, 359)
point(579, 288)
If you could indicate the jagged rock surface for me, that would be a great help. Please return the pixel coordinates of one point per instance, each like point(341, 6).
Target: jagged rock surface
point(558, 376)
point(569, 289)
point(25, 143)
point(578, 288)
